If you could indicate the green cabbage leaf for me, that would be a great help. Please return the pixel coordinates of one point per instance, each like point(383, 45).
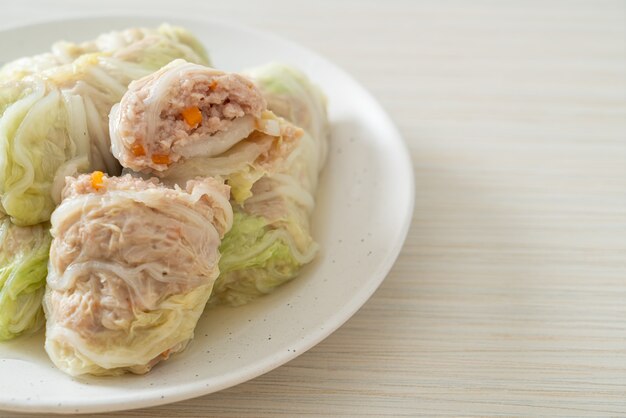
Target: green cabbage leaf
point(23, 269)
point(256, 259)
point(271, 239)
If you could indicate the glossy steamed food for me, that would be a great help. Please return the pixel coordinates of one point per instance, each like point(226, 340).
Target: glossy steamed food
point(271, 239)
point(220, 172)
point(188, 120)
point(54, 123)
point(54, 115)
point(132, 265)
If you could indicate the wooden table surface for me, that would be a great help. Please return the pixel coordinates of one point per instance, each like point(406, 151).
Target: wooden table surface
point(510, 294)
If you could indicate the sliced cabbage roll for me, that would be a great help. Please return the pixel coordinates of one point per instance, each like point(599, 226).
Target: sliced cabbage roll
point(271, 239)
point(187, 120)
point(54, 109)
point(132, 265)
point(23, 268)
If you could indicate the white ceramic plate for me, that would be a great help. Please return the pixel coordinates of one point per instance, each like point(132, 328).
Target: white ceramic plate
point(364, 209)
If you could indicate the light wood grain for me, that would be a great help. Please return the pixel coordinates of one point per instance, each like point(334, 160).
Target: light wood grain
point(509, 297)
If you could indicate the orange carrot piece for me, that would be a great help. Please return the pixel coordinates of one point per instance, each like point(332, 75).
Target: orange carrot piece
point(193, 116)
point(160, 158)
point(96, 179)
point(138, 150)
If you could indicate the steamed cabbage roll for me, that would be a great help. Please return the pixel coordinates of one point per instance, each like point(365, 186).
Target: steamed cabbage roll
point(189, 120)
point(54, 108)
point(132, 265)
point(147, 47)
point(23, 268)
point(271, 239)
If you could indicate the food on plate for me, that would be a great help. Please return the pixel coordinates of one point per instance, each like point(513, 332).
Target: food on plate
point(23, 260)
point(271, 236)
point(201, 188)
point(149, 48)
point(189, 120)
point(54, 109)
point(132, 265)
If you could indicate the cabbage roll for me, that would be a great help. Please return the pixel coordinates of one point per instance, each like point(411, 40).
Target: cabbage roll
point(23, 269)
point(147, 47)
point(132, 265)
point(271, 239)
point(54, 108)
point(187, 120)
